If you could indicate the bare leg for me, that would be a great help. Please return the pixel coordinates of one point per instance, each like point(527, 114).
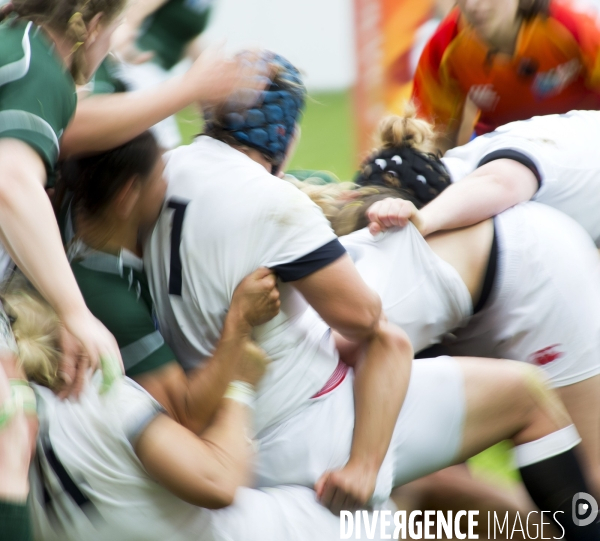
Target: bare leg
point(454, 489)
point(582, 401)
point(505, 400)
point(512, 394)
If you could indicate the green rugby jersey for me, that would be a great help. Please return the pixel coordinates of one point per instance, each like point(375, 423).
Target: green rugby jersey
point(37, 92)
point(172, 27)
point(115, 289)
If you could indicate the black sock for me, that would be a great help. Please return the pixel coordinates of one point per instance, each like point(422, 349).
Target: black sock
point(552, 484)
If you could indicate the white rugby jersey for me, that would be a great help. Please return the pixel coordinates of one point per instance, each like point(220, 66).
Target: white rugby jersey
point(420, 292)
point(563, 151)
point(88, 484)
point(224, 217)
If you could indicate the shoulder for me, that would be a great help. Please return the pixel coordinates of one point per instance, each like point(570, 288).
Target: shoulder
point(113, 298)
point(578, 23)
point(445, 34)
point(134, 406)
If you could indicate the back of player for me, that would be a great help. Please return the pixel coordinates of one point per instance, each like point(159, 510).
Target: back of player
point(561, 149)
point(548, 270)
point(420, 292)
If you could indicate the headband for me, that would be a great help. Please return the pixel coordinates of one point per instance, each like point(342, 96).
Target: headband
point(420, 176)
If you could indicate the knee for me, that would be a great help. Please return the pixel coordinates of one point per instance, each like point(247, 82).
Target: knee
point(531, 388)
point(397, 339)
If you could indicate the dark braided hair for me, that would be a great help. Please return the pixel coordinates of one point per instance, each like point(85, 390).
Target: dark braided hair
point(406, 161)
point(96, 180)
point(416, 176)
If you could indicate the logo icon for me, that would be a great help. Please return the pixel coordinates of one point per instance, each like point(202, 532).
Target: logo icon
point(585, 509)
point(545, 355)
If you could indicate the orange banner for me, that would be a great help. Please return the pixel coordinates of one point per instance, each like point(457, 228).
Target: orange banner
point(385, 35)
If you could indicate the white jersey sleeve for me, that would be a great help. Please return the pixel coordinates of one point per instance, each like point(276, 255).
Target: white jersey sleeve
point(559, 149)
point(296, 238)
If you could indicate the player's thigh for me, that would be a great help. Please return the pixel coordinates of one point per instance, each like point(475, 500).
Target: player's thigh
point(429, 429)
point(582, 401)
point(502, 399)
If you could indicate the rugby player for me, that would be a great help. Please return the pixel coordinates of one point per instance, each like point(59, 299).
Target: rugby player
point(154, 37)
point(226, 212)
point(113, 466)
point(546, 159)
point(46, 48)
point(504, 276)
point(512, 60)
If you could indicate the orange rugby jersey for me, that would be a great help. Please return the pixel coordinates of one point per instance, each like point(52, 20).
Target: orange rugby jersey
point(555, 69)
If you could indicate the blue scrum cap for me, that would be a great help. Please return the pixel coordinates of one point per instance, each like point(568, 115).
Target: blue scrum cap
point(268, 125)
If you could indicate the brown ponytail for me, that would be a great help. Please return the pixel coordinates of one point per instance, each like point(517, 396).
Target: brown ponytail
point(67, 17)
point(407, 130)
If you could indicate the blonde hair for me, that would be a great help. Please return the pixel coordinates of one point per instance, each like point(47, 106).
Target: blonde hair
point(36, 328)
point(344, 204)
point(408, 130)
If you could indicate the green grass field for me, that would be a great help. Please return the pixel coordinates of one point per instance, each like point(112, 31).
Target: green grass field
point(328, 134)
point(328, 143)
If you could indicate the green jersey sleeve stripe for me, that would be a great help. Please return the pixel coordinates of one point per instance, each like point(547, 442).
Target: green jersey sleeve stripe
point(102, 262)
point(139, 350)
point(18, 69)
point(15, 119)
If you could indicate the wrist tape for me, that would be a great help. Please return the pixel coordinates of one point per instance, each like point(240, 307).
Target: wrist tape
point(241, 392)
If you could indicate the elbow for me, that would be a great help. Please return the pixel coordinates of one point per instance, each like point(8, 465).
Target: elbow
point(395, 339)
point(400, 340)
point(365, 320)
point(221, 496)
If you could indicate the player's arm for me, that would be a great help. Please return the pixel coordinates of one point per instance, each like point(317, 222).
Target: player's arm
point(382, 356)
point(193, 399)
point(583, 26)
point(105, 121)
point(29, 231)
point(488, 191)
point(205, 470)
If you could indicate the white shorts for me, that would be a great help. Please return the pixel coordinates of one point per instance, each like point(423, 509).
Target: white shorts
point(427, 437)
point(147, 75)
point(544, 308)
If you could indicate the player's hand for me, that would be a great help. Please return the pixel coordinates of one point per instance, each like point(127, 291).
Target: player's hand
point(86, 343)
point(253, 364)
point(393, 212)
point(256, 298)
point(214, 78)
point(347, 489)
